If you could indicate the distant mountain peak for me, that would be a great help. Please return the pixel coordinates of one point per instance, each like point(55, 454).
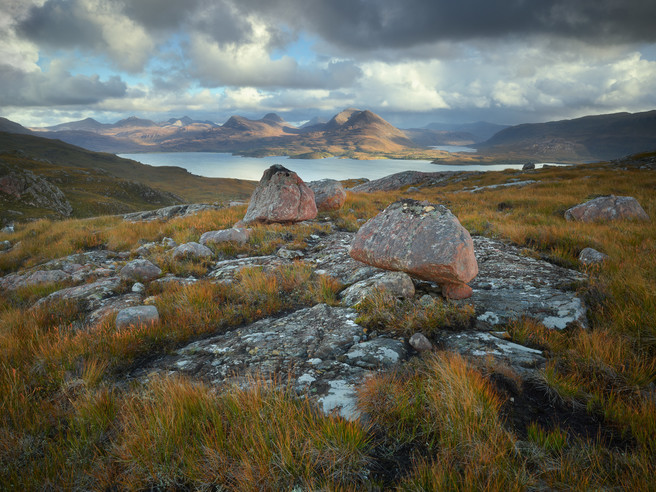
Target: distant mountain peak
point(273, 117)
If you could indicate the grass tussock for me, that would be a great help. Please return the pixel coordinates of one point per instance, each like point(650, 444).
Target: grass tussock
point(180, 434)
point(384, 312)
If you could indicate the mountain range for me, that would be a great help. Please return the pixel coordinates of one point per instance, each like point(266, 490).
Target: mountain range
point(363, 134)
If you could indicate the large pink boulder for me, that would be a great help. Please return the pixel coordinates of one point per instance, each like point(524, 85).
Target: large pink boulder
point(281, 196)
point(329, 194)
point(422, 239)
point(607, 208)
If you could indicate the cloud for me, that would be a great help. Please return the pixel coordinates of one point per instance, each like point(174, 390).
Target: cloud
point(56, 87)
point(89, 25)
point(251, 64)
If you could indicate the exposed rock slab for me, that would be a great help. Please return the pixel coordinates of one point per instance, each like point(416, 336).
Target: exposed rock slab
point(168, 213)
point(319, 350)
point(281, 196)
point(607, 208)
point(422, 239)
point(405, 178)
point(482, 348)
point(510, 284)
point(90, 297)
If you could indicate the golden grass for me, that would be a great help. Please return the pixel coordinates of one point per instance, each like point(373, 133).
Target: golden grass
point(64, 425)
point(382, 311)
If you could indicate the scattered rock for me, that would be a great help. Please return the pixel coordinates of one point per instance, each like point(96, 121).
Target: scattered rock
point(33, 190)
point(8, 229)
point(281, 196)
point(329, 194)
point(405, 178)
point(528, 166)
point(168, 213)
point(138, 287)
point(5, 245)
point(289, 254)
point(607, 208)
point(140, 271)
point(398, 284)
point(191, 250)
point(501, 185)
point(137, 316)
point(420, 343)
point(238, 235)
point(169, 242)
point(419, 238)
point(113, 305)
point(590, 256)
point(89, 297)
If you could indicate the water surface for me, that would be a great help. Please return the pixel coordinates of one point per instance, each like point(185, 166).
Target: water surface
point(222, 165)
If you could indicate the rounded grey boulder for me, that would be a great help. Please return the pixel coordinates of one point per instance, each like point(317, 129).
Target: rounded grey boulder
point(140, 271)
point(191, 250)
point(607, 208)
point(137, 316)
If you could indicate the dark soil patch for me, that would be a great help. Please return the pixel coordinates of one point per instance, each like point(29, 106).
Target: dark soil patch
point(532, 403)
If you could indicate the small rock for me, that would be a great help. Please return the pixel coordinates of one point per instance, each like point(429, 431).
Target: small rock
point(420, 343)
point(140, 271)
point(528, 166)
point(169, 242)
point(426, 301)
point(191, 250)
point(289, 254)
point(238, 235)
point(590, 256)
point(5, 245)
point(398, 284)
point(8, 228)
point(607, 208)
point(137, 316)
point(138, 287)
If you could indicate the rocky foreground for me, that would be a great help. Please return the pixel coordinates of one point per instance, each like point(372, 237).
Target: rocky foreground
point(322, 351)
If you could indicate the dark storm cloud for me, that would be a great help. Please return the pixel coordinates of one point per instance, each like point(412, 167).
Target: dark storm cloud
point(56, 25)
point(372, 24)
point(57, 87)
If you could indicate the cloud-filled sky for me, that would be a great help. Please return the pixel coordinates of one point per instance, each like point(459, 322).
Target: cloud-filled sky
point(412, 61)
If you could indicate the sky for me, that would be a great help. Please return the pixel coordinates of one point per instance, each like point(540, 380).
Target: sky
point(411, 61)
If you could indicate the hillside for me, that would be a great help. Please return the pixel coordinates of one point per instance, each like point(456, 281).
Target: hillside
point(351, 131)
point(96, 183)
point(589, 138)
point(128, 367)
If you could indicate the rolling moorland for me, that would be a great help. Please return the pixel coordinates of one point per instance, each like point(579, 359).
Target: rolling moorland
point(85, 405)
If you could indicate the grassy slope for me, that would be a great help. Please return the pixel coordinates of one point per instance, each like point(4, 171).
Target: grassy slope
point(440, 422)
point(191, 188)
